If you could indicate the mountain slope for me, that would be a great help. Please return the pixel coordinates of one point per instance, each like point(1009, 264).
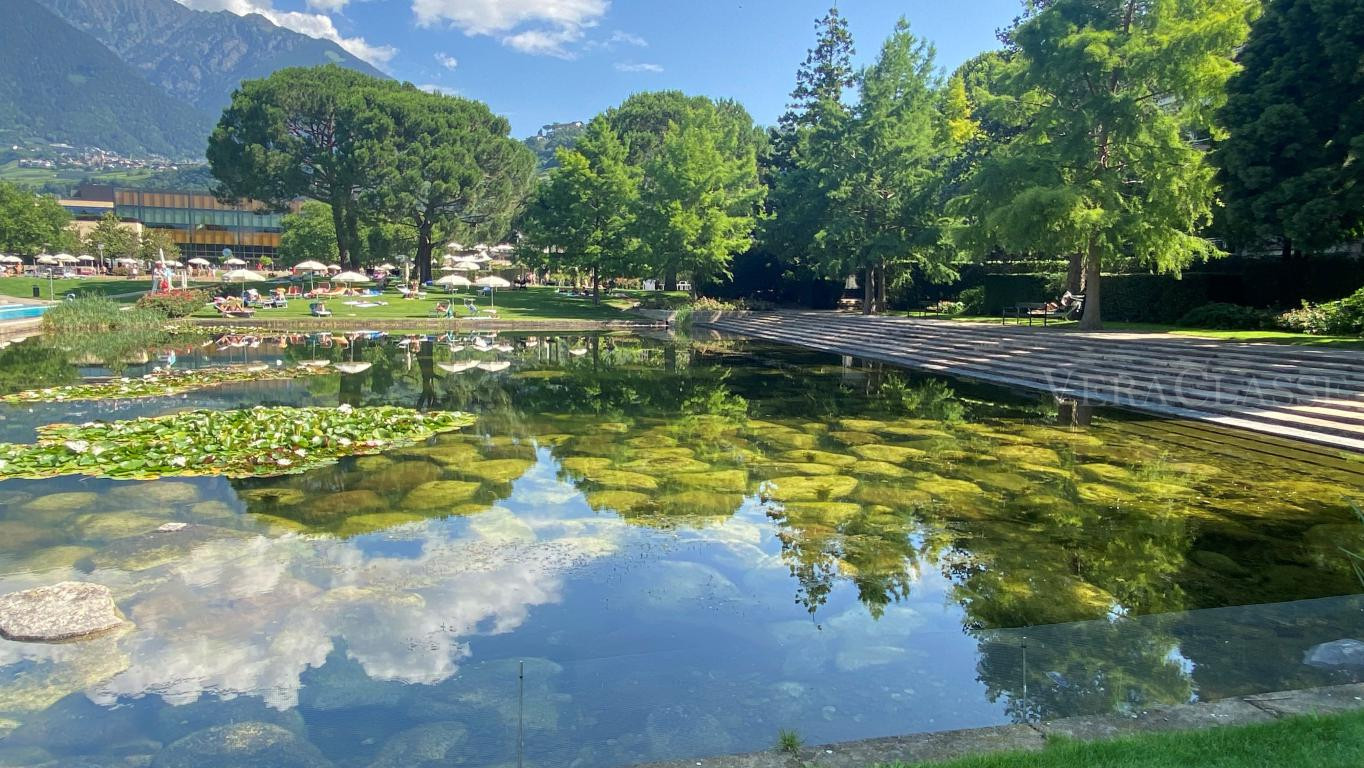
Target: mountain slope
point(57, 84)
point(198, 56)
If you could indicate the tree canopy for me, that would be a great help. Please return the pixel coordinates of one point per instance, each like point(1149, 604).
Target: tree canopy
point(1111, 163)
point(1291, 165)
point(31, 224)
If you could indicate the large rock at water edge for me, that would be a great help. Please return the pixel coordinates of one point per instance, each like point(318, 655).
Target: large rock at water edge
point(70, 610)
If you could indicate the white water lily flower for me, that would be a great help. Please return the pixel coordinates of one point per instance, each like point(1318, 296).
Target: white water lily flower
point(283, 462)
point(299, 452)
point(178, 461)
point(344, 408)
point(78, 446)
point(97, 450)
point(345, 441)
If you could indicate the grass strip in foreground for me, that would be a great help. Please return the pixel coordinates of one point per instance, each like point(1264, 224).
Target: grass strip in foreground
point(258, 442)
point(160, 384)
point(1335, 741)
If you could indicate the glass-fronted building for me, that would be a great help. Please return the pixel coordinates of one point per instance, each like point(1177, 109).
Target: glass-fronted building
point(200, 224)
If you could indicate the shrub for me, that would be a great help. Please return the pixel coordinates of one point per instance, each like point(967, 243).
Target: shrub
point(100, 314)
point(1341, 318)
point(1230, 317)
point(973, 300)
point(177, 303)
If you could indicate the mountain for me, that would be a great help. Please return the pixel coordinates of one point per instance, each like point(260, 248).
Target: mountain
point(59, 85)
point(198, 56)
point(551, 137)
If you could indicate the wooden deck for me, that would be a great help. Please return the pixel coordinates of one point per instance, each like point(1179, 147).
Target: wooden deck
point(1292, 392)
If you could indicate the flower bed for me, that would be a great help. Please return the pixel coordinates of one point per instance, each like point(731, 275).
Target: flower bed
point(159, 384)
point(259, 442)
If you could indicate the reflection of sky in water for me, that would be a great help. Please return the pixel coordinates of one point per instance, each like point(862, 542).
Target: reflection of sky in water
point(639, 642)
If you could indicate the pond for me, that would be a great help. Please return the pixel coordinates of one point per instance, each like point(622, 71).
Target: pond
point(649, 549)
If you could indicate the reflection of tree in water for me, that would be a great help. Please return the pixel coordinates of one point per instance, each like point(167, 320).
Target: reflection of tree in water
point(31, 365)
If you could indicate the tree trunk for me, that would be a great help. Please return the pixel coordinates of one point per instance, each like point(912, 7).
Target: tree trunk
point(1091, 321)
point(352, 238)
point(339, 225)
point(868, 291)
point(1075, 273)
point(424, 249)
point(881, 287)
point(596, 286)
point(670, 279)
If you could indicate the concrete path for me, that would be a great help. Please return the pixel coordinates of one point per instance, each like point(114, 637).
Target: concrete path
point(949, 745)
point(1294, 392)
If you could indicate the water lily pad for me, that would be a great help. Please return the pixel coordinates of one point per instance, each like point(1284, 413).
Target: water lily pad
point(439, 494)
point(809, 488)
point(895, 454)
point(735, 480)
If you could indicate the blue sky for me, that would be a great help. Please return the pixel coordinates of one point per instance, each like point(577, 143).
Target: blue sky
point(541, 61)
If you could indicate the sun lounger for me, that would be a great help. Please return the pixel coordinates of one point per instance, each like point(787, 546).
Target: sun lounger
point(318, 309)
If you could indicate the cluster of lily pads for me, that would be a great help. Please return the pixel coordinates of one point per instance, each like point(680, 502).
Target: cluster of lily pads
point(160, 384)
point(246, 443)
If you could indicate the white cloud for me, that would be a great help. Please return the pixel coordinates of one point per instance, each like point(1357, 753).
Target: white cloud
point(625, 38)
point(622, 66)
point(443, 90)
point(541, 27)
point(447, 61)
point(328, 6)
point(311, 24)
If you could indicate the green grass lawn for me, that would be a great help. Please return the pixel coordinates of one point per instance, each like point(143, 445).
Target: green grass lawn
point(1268, 337)
point(1320, 742)
point(85, 286)
point(536, 303)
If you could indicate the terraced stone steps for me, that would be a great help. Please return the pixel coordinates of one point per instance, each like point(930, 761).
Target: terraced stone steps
point(1297, 393)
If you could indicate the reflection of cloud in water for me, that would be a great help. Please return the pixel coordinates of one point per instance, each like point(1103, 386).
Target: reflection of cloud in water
point(250, 617)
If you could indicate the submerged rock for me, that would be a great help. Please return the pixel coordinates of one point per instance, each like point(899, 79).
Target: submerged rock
point(895, 454)
point(735, 480)
point(616, 478)
point(50, 559)
point(115, 525)
point(818, 457)
point(149, 550)
point(155, 494)
point(618, 501)
point(439, 494)
point(343, 504)
point(496, 470)
point(878, 469)
point(1337, 654)
point(427, 746)
point(360, 525)
point(808, 488)
point(71, 610)
point(61, 670)
point(241, 745)
point(283, 497)
point(55, 506)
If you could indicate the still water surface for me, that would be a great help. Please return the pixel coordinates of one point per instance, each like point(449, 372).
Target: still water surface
point(649, 550)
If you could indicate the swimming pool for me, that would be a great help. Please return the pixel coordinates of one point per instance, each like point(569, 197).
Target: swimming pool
point(17, 311)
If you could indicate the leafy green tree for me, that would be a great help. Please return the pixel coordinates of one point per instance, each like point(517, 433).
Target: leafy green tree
point(297, 133)
point(156, 243)
point(1291, 165)
point(883, 209)
point(309, 235)
point(447, 169)
point(117, 240)
point(700, 198)
point(584, 214)
point(1108, 165)
point(804, 148)
point(31, 223)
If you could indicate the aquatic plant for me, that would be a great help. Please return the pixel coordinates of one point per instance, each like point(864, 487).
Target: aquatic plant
point(789, 741)
point(96, 313)
point(258, 442)
point(160, 384)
